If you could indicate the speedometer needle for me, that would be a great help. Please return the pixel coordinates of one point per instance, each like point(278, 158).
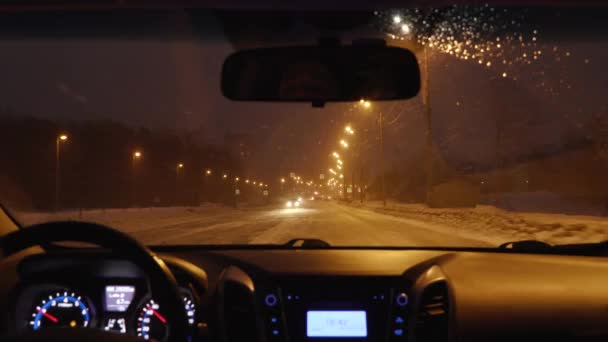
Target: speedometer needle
point(159, 316)
point(49, 316)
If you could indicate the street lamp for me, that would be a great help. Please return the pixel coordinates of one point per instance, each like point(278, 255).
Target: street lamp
point(208, 172)
point(344, 143)
point(349, 130)
point(178, 167)
point(367, 105)
point(224, 176)
point(336, 155)
point(60, 138)
point(236, 179)
point(282, 180)
point(137, 155)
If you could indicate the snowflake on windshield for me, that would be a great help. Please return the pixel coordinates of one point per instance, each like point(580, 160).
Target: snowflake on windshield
point(499, 39)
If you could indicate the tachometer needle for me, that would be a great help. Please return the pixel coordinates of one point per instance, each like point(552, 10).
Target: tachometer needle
point(159, 316)
point(49, 316)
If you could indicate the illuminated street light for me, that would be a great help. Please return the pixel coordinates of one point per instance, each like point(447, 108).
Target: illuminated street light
point(332, 171)
point(349, 130)
point(336, 155)
point(396, 19)
point(261, 184)
point(282, 180)
point(224, 176)
point(365, 104)
point(254, 182)
point(61, 138)
point(136, 154)
point(339, 161)
point(344, 143)
point(208, 172)
point(341, 176)
point(180, 165)
point(339, 167)
point(236, 179)
point(406, 29)
point(247, 181)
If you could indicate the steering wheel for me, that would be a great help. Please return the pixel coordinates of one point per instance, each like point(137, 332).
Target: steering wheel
point(163, 285)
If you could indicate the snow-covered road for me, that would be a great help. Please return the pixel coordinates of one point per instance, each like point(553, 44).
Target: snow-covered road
point(337, 224)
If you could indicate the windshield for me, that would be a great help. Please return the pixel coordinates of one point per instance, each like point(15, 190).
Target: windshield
point(117, 117)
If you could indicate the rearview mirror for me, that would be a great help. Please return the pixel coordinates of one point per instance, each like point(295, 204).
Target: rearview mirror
point(321, 74)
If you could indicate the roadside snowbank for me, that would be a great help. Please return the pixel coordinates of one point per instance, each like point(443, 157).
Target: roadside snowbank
point(494, 225)
point(129, 219)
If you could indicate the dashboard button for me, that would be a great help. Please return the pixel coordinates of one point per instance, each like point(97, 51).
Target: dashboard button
point(399, 320)
point(271, 300)
point(402, 299)
point(398, 332)
point(274, 320)
point(275, 332)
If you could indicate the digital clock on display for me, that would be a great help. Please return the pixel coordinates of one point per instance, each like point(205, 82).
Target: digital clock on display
point(336, 324)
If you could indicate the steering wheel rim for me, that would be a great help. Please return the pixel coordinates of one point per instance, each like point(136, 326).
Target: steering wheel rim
point(163, 285)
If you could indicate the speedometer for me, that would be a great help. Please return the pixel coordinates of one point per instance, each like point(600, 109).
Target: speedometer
point(61, 309)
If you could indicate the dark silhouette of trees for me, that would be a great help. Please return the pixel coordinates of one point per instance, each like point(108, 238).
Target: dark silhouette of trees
point(97, 168)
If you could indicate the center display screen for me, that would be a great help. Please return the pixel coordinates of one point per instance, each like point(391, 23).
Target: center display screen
point(336, 324)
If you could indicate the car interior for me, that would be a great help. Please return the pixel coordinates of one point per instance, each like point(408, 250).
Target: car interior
point(110, 287)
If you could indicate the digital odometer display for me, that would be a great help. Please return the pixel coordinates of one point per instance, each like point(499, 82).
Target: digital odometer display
point(336, 324)
point(118, 298)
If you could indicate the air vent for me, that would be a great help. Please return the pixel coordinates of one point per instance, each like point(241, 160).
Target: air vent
point(432, 315)
point(239, 313)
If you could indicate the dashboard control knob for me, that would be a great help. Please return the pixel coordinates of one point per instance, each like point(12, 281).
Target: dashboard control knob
point(271, 300)
point(402, 299)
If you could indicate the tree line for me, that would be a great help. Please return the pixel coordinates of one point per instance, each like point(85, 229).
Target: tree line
point(98, 168)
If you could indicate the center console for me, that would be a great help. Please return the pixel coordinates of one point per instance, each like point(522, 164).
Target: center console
point(341, 309)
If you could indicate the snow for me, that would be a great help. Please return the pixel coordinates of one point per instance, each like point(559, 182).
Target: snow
point(130, 219)
point(495, 225)
point(370, 224)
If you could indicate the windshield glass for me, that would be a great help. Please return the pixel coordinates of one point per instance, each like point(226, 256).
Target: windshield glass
point(118, 118)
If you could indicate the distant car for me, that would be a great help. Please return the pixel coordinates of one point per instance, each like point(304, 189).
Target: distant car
point(294, 203)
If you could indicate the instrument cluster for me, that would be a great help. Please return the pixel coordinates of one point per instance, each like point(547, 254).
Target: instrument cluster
point(120, 307)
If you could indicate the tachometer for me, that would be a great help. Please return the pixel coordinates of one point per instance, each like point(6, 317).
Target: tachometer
point(151, 324)
point(61, 309)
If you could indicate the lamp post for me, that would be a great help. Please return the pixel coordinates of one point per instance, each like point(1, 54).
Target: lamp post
point(60, 138)
point(178, 167)
point(134, 158)
point(368, 105)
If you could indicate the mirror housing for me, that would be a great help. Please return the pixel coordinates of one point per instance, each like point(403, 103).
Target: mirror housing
point(320, 74)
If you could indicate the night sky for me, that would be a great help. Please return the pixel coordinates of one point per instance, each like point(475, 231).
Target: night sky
point(539, 102)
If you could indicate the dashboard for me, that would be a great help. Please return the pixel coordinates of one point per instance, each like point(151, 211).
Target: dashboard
point(321, 295)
